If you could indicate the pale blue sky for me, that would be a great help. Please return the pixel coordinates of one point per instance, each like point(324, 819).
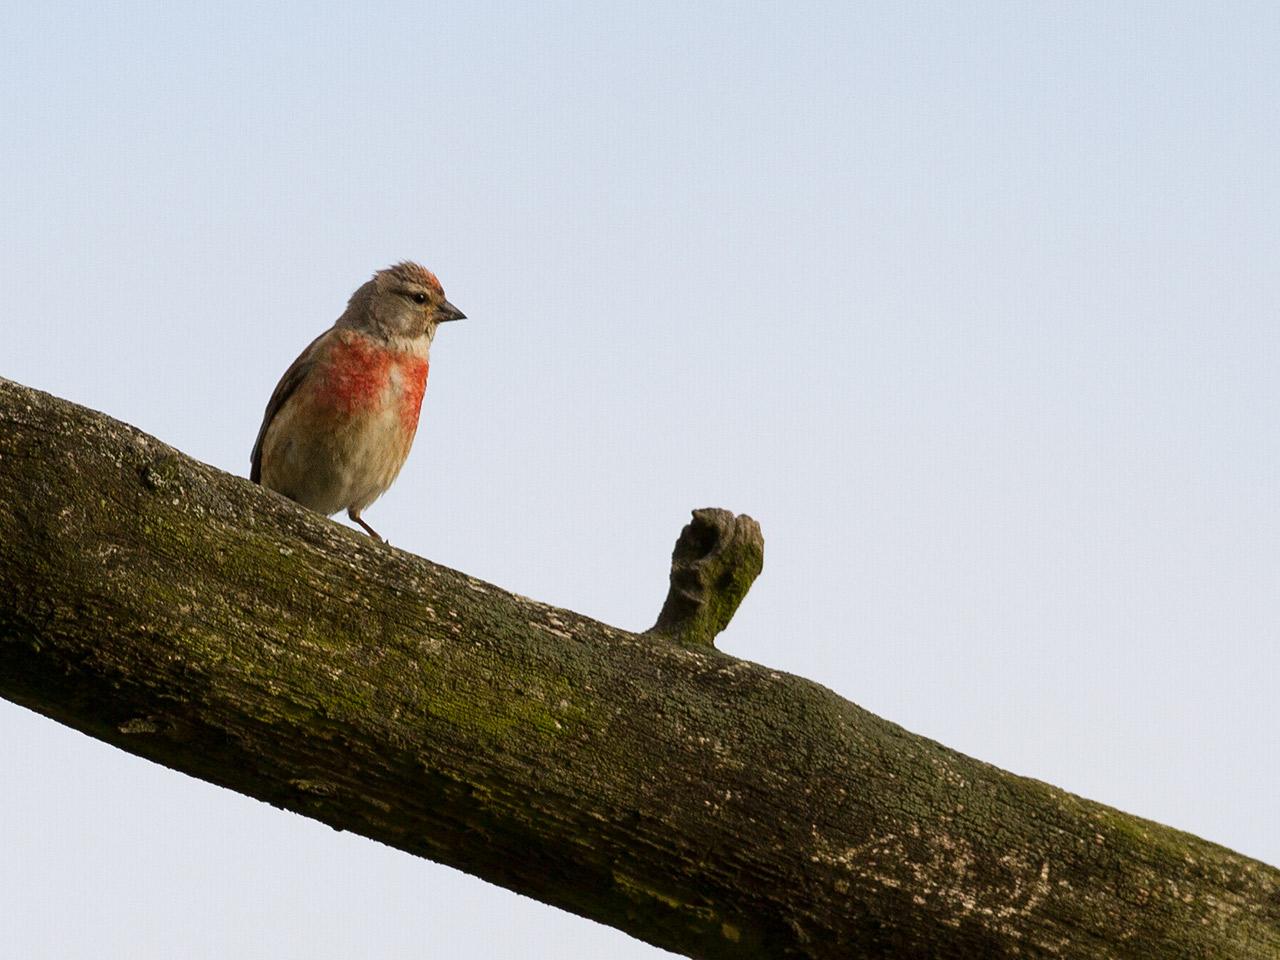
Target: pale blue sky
point(972, 305)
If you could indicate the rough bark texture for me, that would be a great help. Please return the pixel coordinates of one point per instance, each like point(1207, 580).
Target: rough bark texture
point(700, 802)
point(716, 559)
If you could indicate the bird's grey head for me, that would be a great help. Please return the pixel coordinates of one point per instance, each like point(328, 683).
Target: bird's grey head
point(402, 301)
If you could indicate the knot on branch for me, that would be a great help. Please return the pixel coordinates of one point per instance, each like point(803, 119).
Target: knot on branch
point(716, 559)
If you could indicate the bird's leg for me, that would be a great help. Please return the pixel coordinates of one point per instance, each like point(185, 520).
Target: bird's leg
point(355, 515)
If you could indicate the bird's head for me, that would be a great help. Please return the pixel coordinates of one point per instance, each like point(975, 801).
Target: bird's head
point(402, 301)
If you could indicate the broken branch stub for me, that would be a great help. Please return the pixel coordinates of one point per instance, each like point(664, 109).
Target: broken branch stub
point(716, 559)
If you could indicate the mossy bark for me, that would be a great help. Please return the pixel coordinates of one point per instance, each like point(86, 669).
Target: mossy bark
point(700, 802)
point(716, 559)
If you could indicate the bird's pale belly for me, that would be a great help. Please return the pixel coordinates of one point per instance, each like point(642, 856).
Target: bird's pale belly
point(367, 415)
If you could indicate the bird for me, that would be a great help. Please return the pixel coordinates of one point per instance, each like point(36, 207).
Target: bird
point(340, 422)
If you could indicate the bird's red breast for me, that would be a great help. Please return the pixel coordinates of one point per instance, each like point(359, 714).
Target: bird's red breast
point(362, 376)
point(414, 370)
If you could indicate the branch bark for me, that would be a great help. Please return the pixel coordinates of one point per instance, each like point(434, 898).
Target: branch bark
point(716, 559)
point(702, 803)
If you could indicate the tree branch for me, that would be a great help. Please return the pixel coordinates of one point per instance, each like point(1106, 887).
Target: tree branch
point(702, 803)
point(716, 559)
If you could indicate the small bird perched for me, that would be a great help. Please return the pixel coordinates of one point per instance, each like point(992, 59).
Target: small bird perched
point(340, 422)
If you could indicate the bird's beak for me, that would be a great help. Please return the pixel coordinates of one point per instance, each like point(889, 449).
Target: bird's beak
point(449, 312)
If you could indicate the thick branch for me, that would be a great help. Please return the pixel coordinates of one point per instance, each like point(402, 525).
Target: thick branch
point(702, 803)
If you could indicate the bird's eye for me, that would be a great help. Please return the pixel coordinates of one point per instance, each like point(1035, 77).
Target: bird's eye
point(418, 297)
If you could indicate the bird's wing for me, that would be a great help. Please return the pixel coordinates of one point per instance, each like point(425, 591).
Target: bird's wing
point(289, 383)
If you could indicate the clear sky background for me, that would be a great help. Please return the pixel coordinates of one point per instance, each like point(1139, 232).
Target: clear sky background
point(973, 305)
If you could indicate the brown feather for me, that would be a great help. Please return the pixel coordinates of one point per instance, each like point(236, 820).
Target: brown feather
point(287, 386)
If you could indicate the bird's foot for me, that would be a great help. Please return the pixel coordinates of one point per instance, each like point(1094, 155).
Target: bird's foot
point(367, 529)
